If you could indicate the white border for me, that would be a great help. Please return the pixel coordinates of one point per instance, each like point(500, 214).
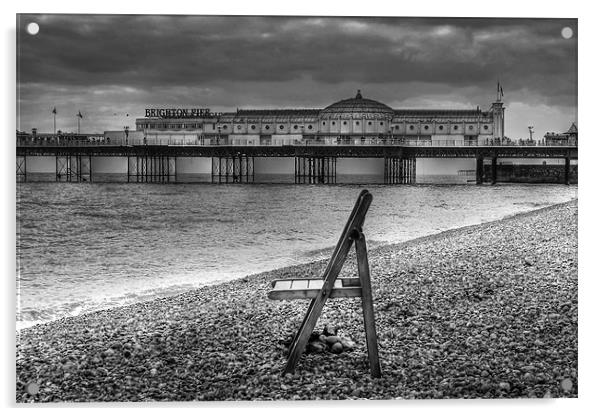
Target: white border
point(590, 376)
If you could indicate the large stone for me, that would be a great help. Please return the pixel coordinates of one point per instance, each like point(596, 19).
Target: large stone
point(337, 348)
point(332, 340)
point(330, 330)
point(347, 343)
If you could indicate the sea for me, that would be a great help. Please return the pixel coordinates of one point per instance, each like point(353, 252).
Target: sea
point(83, 247)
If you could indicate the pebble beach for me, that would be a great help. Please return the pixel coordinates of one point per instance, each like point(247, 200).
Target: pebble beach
point(485, 311)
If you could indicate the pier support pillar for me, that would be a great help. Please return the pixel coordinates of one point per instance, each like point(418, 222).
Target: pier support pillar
point(233, 169)
point(479, 171)
point(21, 168)
point(493, 170)
point(152, 169)
point(73, 168)
point(315, 169)
point(400, 170)
point(567, 170)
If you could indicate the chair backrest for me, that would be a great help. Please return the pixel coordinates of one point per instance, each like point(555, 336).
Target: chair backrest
point(354, 223)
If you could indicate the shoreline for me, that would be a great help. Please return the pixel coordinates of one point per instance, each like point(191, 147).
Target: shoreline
point(231, 334)
point(324, 254)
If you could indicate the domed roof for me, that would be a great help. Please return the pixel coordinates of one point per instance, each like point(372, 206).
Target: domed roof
point(357, 105)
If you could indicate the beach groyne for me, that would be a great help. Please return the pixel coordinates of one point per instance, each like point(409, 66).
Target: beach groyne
point(483, 311)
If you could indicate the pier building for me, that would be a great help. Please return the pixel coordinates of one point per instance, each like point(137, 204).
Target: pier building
point(352, 121)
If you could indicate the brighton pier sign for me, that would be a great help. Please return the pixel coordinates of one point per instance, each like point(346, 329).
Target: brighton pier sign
point(180, 113)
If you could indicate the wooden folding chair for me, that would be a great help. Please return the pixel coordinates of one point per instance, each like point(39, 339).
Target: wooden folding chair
point(330, 286)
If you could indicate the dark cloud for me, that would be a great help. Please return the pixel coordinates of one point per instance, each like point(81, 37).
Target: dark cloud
point(95, 52)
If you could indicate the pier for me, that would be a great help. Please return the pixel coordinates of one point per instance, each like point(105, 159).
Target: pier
point(315, 163)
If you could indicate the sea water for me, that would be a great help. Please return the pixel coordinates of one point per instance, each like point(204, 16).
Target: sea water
point(88, 246)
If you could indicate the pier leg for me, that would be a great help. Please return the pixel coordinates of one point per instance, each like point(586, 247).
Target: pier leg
point(567, 170)
point(84, 168)
point(233, 169)
point(479, 171)
point(400, 170)
point(173, 169)
point(493, 170)
point(61, 168)
point(315, 170)
point(21, 168)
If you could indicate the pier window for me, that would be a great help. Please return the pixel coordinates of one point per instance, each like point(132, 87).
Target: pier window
point(309, 127)
point(369, 123)
point(253, 127)
point(470, 127)
point(396, 127)
point(344, 123)
point(411, 127)
point(295, 127)
point(381, 123)
point(225, 127)
point(333, 123)
point(440, 127)
point(426, 127)
point(455, 127)
point(239, 127)
point(486, 127)
point(267, 127)
point(357, 123)
point(281, 127)
point(323, 123)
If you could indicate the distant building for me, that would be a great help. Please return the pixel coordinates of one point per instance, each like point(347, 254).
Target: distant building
point(567, 138)
point(355, 120)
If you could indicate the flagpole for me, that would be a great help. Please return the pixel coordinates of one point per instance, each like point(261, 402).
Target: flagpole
point(77, 124)
point(54, 121)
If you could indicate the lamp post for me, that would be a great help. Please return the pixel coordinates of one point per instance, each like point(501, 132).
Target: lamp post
point(531, 133)
point(126, 130)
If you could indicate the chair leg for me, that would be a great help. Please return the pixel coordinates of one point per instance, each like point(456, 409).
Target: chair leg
point(367, 306)
point(303, 322)
point(298, 346)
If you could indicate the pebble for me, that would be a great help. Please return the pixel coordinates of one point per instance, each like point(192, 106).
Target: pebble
point(566, 385)
point(504, 386)
point(32, 388)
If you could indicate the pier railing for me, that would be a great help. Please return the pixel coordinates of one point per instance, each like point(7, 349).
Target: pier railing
point(62, 142)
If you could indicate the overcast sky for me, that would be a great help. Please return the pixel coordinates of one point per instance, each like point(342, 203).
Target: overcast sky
point(110, 66)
